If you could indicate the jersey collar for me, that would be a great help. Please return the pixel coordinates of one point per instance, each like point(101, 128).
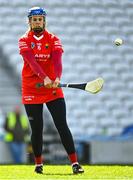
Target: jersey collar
point(38, 38)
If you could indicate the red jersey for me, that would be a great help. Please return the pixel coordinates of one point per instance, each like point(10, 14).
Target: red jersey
point(42, 48)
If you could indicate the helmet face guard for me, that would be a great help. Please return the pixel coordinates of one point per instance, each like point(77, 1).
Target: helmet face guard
point(37, 11)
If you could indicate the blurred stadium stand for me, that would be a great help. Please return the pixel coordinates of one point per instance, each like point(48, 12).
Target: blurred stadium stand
point(9, 88)
point(87, 29)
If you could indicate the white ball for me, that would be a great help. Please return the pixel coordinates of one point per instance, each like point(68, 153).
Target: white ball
point(118, 42)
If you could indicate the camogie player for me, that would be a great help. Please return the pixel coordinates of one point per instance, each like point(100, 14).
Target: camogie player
point(42, 56)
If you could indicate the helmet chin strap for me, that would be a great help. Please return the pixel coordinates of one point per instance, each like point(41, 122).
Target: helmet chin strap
point(38, 30)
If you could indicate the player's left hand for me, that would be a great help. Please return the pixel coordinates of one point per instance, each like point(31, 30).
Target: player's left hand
point(56, 83)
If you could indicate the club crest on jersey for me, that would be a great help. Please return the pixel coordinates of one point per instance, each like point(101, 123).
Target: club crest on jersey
point(46, 45)
point(32, 45)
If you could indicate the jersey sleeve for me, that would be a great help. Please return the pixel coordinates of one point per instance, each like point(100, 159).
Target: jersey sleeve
point(24, 45)
point(56, 44)
point(57, 61)
point(29, 57)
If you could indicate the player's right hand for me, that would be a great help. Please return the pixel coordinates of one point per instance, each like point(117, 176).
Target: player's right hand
point(47, 82)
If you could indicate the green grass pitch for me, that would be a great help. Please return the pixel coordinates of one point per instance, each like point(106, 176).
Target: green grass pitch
point(64, 172)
